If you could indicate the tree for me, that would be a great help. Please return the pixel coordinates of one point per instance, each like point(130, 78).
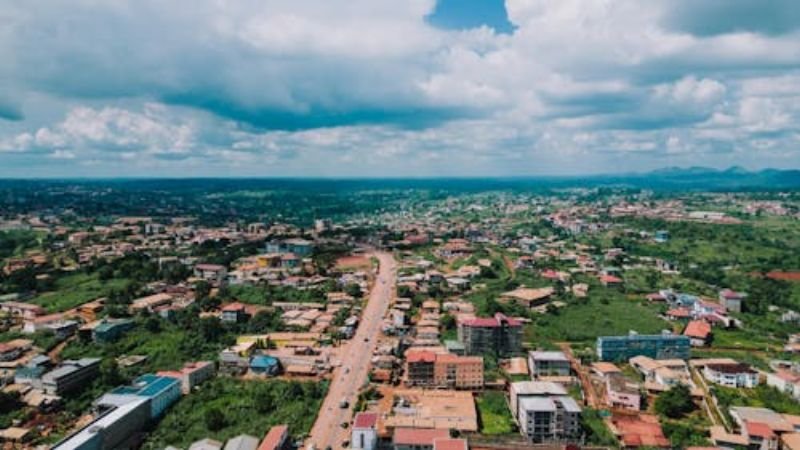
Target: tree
point(110, 374)
point(215, 419)
point(675, 403)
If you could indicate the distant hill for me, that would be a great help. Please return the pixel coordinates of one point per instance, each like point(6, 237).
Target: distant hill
point(707, 178)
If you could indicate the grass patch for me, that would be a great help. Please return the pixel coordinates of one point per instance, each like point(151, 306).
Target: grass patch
point(75, 289)
point(250, 407)
point(494, 414)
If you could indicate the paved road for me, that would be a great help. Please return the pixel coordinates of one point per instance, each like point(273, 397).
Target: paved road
point(355, 356)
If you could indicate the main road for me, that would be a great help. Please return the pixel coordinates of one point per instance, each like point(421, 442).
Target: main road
point(355, 357)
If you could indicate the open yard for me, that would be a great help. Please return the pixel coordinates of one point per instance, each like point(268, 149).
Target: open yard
point(72, 290)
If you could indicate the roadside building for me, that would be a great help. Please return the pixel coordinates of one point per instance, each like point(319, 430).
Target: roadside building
point(426, 368)
point(499, 334)
point(365, 434)
point(656, 346)
point(191, 374)
point(276, 438)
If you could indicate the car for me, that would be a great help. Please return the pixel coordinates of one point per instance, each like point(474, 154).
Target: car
point(346, 443)
point(344, 425)
point(347, 370)
point(366, 339)
point(344, 403)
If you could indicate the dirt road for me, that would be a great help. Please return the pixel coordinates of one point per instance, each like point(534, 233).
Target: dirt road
point(356, 355)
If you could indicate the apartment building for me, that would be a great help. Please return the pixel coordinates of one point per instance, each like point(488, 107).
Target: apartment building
point(548, 364)
point(499, 334)
point(544, 412)
point(429, 369)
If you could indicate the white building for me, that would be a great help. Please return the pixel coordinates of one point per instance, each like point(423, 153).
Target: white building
point(364, 434)
point(731, 375)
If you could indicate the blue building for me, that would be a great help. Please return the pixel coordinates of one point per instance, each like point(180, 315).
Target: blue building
point(661, 236)
point(264, 365)
point(162, 392)
point(299, 247)
point(110, 331)
point(656, 346)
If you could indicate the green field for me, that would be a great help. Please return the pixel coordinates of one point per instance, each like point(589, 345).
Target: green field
point(494, 414)
point(250, 407)
point(606, 312)
point(75, 289)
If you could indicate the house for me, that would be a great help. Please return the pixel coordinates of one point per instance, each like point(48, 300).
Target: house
point(544, 412)
point(264, 365)
point(242, 442)
point(191, 374)
point(738, 375)
point(529, 297)
point(12, 350)
point(498, 334)
point(732, 300)
point(234, 313)
point(548, 364)
point(364, 435)
point(610, 280)
point(151, 302)
point(276, 438)
point(439, 408)
point(658, 346)
point(637, 431)
point(206, 444)
point(25, 311)
point(621, 393)
point(698, 332)
point(417, 438)
point(213, 273)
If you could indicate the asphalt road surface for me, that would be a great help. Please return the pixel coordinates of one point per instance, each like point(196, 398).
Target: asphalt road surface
point(355, 358)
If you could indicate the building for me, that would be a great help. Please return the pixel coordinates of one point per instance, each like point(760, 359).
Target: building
point(234, 313)
point(698, 332)
point(499, 334)
point(276, 438)
point(548, 364)
point(732, 300)
point(364, 435)
point(25, 311)
point(70, 375)
point(264, 365)
point(417, 438)
point(206, 444)
point(639, 431)
point(529, 297)
point(113, 428)
point(111, 330)
point(656, 346)
point(731, 375)
point(440, 408)
point(242, 442)
point(429, 369)
point(620, 393)
point(191, 374)
point(544, 412)
point(161, 391)
point(299, 247)
point(12, 350)
point(213, 273)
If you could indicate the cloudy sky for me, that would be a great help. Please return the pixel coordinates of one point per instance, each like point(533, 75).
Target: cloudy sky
point(396, 87)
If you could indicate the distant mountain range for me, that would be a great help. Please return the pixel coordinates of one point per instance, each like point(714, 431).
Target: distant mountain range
point(708, 178)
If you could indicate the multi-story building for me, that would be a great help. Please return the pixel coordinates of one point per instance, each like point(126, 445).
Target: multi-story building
point(731, 375)
point(276, 438)
point(548, 364)
point(70, 375)
point(656, 346)
point(499, 334)
point(162, 392)
point(545, 413)
point(428, 369)
point(418, 438)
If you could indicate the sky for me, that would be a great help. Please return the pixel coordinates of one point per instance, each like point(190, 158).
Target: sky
point(388, 88)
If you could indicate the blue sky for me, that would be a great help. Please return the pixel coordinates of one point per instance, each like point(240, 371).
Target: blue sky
point(385, 88)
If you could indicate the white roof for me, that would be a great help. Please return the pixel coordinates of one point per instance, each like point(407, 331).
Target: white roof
point(548, 356)
point(538, 388)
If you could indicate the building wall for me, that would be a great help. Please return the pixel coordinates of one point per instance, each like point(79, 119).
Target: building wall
point(622, 348)
point(364, 439)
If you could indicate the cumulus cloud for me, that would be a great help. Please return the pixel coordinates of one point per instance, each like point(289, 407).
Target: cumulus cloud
point(375, 87)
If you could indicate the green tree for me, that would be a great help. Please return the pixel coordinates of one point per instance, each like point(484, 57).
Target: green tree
point(215, 419)
point(675, 403)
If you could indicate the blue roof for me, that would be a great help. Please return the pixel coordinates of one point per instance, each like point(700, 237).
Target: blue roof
point(147, 385)
point(263, 361)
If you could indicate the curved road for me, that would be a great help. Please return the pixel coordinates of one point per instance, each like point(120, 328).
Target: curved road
point(355, 357)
